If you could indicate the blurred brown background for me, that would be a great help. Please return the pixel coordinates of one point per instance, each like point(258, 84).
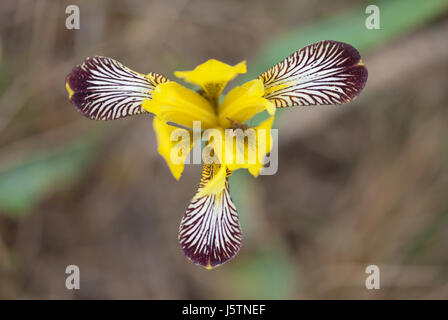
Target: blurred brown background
point(359, 184)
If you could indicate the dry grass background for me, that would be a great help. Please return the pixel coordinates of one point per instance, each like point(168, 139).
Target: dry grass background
point(366, 186)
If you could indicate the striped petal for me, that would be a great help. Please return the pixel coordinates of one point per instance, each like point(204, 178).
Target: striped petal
point(104, 89)
point(324, 73)
point(210, 233)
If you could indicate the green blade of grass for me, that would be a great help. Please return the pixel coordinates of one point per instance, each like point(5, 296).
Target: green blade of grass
point(23, 185)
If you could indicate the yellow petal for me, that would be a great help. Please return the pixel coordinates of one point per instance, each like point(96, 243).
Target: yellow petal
point(243, 102)
point(212, 76)
point(253, 149)
point(214, 146)
point(215, 183)
point(174, 152)
point(172, 102)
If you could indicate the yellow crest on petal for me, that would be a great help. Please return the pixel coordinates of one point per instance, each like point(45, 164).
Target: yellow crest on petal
point(216, 183)
point(69, 90)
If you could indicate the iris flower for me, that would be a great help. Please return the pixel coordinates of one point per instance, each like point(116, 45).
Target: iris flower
point(323, 73)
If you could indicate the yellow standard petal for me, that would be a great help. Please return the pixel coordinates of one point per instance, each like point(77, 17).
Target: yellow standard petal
point(212, 76)
point(253, 151)
point(243, 102)
point(172, 102)
point(174, 152)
